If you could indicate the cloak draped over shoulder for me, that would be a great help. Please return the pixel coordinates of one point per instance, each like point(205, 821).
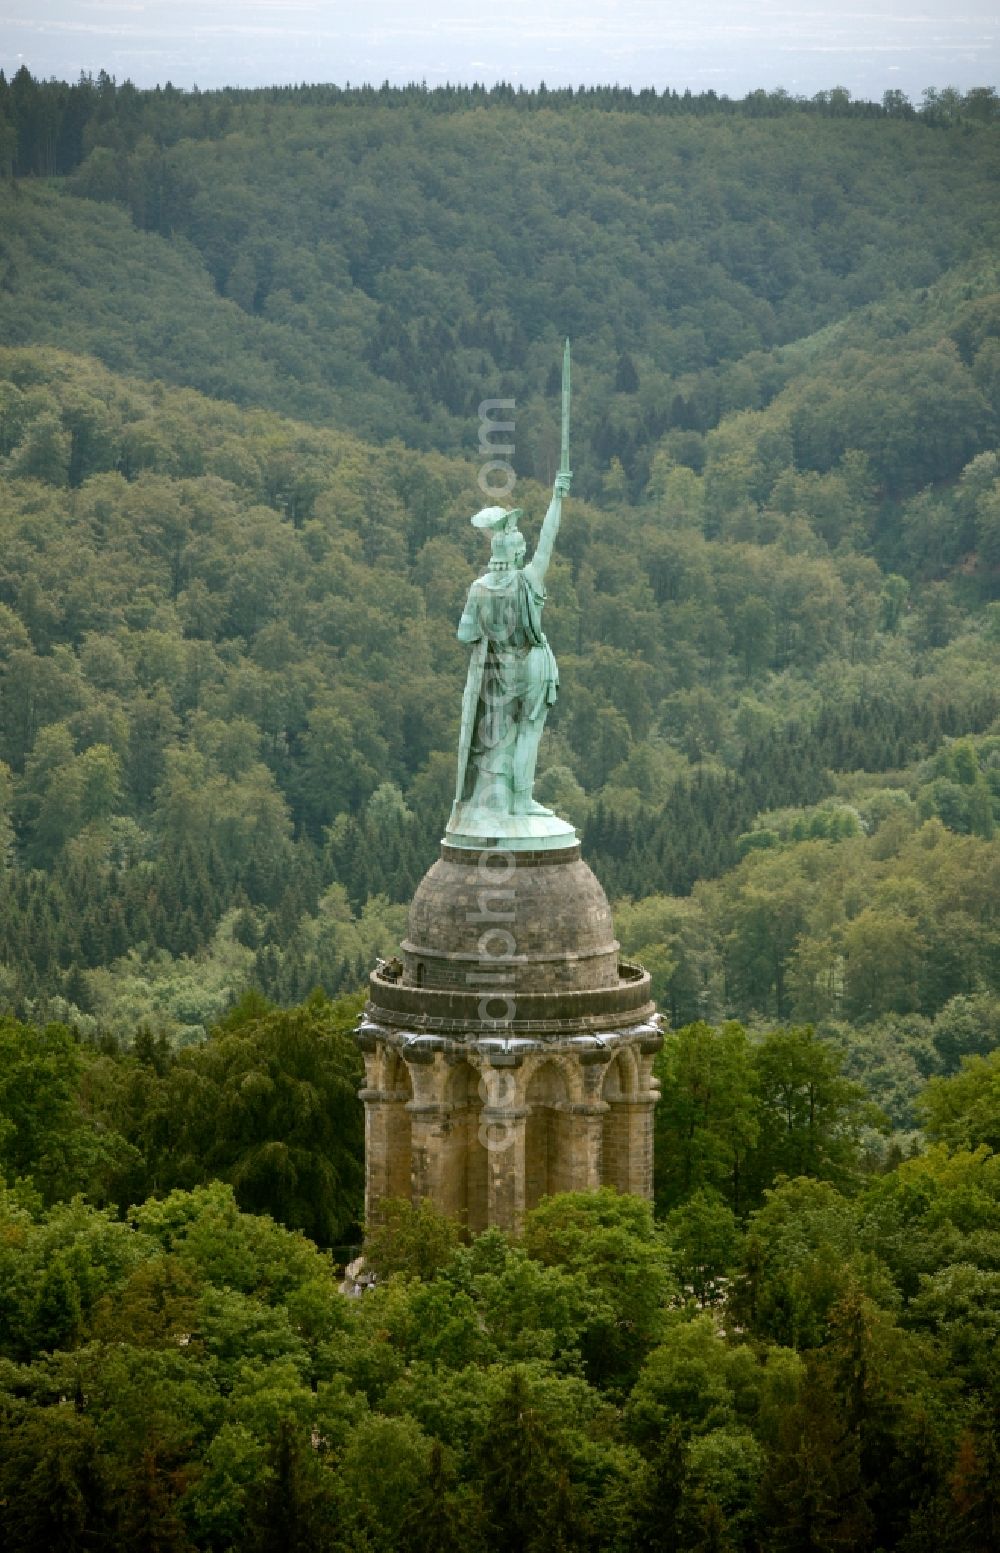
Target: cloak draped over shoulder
point(502, 620)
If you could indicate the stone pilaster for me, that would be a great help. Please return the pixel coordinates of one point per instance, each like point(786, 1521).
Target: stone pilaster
point(387, 1148)
point(503, 1129)
point(430, 1123)
point(584, 1123)
point(640, 1145)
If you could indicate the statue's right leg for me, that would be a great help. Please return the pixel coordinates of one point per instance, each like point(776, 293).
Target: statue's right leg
point(529, 734)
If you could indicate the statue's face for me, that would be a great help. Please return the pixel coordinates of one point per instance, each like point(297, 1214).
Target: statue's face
point(519, 554)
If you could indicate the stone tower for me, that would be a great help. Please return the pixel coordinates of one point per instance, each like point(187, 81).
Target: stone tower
point(508, 1052)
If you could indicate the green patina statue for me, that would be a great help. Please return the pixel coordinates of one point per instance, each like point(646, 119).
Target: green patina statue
point(512, 679)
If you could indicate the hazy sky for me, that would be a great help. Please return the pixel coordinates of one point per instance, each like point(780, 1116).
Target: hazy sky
point(731, 45)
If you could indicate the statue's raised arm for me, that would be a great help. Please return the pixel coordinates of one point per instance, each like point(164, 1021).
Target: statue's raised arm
point(539, 563)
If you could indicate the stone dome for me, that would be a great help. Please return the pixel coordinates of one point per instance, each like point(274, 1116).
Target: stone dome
point(519, 943)
point(541, 917)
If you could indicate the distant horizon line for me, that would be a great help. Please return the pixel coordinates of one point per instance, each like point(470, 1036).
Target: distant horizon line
point(844, 94)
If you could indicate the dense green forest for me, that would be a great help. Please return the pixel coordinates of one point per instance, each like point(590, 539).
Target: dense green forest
point(245, 246)
point(799, 1353)
point(246, 336)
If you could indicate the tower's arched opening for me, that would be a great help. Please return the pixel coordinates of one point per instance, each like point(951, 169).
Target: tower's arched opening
point(548, 1164)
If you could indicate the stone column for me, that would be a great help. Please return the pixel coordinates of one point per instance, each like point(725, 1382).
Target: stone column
point(640, 1145)
point(387, 1173)
point(584, 1121)
point(430, 1153)
point(503, 1128)
point(376, 1150)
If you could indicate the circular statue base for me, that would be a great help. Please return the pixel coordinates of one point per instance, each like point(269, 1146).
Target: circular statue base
point(479, 830)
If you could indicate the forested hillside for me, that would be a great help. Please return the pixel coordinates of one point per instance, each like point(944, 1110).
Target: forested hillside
point(230, 679)
point(246, 336)
point(231, 690)
point(386, 261)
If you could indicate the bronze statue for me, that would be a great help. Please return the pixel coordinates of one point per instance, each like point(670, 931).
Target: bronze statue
point(513, 678)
